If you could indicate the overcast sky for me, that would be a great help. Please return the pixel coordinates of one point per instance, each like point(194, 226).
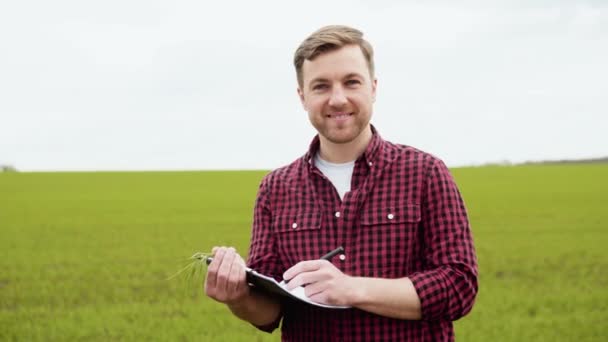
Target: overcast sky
point(154, 85)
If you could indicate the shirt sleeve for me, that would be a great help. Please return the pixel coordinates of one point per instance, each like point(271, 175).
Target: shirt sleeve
point(261, 249)
point(448, 287)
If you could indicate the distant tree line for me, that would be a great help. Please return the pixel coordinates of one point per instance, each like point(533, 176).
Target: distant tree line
point(7, 168)
point(505, 162)
point(571, 161)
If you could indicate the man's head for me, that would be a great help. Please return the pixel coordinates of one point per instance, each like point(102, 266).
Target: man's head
point(331, 38)
point(336, 84)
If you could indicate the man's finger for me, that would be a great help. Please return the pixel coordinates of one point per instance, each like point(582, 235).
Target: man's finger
point(299, 280)
point(303, 266)
point(315, 289)
point(218, 255)
point(234, 278)
point(242, 274)
point(224, 270)
point(307, 278)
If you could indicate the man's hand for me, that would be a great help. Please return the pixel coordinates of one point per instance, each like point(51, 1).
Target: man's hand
point(324, 283)
point(226, 278)
point(226, 282)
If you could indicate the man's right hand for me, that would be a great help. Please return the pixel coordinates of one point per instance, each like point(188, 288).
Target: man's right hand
point(226, 278)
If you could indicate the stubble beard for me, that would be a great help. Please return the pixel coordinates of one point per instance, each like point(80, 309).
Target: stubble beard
point(343, 135)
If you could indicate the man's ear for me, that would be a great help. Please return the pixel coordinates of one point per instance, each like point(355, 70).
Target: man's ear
point(301, 95)
point(374, 86)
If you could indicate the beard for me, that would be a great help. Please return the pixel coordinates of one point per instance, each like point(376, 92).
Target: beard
point(338, 133)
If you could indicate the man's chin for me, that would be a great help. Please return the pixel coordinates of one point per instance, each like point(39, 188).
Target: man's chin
point(340, 137)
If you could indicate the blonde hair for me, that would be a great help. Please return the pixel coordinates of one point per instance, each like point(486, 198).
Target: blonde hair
point(330, 38)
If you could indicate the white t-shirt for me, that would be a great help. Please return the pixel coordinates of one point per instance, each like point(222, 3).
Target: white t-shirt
point(339, 175)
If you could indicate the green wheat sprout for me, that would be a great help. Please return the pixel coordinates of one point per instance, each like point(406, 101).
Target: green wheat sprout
point(195, 269)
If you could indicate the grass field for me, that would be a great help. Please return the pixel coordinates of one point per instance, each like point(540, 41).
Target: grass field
point(85, 256)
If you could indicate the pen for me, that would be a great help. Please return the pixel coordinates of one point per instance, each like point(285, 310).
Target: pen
point(327, 256)
point(333, 253)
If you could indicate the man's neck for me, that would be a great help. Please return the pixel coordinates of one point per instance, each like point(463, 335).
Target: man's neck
point(346, 152)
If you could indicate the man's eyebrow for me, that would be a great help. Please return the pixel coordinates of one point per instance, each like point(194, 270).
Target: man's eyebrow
point(353, 74)
point(325, 80)
point(318, 80)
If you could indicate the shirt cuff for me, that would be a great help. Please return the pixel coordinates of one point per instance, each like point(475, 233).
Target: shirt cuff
point(431, 292)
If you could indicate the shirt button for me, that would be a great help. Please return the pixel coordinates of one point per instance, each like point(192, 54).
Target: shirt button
point(342, 257)
point(337, 214)
point(294, 225)
point(389, 216)
point(370, 164)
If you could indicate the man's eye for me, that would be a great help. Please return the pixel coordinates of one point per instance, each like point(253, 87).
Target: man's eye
point(319, 87)
point(353, 82)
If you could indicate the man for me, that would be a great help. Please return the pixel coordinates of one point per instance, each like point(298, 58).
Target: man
point(409, 268)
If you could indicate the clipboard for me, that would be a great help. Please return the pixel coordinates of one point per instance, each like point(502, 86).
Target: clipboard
point(269, 285)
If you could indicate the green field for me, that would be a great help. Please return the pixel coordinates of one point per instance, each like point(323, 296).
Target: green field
point(85, 256)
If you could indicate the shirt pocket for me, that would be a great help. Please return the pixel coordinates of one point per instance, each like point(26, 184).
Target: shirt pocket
point(399, 213)
point(297, 235)
point(390, 238)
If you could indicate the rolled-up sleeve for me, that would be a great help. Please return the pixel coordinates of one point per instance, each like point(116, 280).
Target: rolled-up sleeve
point(448, 286)
point(262, 257)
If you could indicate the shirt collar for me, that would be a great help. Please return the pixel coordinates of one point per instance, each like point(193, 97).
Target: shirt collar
point(373, 154)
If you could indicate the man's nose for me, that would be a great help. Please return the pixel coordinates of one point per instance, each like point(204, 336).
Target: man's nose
point(337, 97)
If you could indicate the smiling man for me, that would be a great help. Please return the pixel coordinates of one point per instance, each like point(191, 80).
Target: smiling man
point(338, 91)
point(409, 267)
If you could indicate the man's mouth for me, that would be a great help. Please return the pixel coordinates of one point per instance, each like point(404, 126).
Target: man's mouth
point(339, 115)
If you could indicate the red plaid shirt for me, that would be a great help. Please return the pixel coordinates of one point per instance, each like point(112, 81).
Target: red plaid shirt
point(404, 217)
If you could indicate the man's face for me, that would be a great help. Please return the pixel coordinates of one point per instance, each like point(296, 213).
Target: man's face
point(338, 93)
